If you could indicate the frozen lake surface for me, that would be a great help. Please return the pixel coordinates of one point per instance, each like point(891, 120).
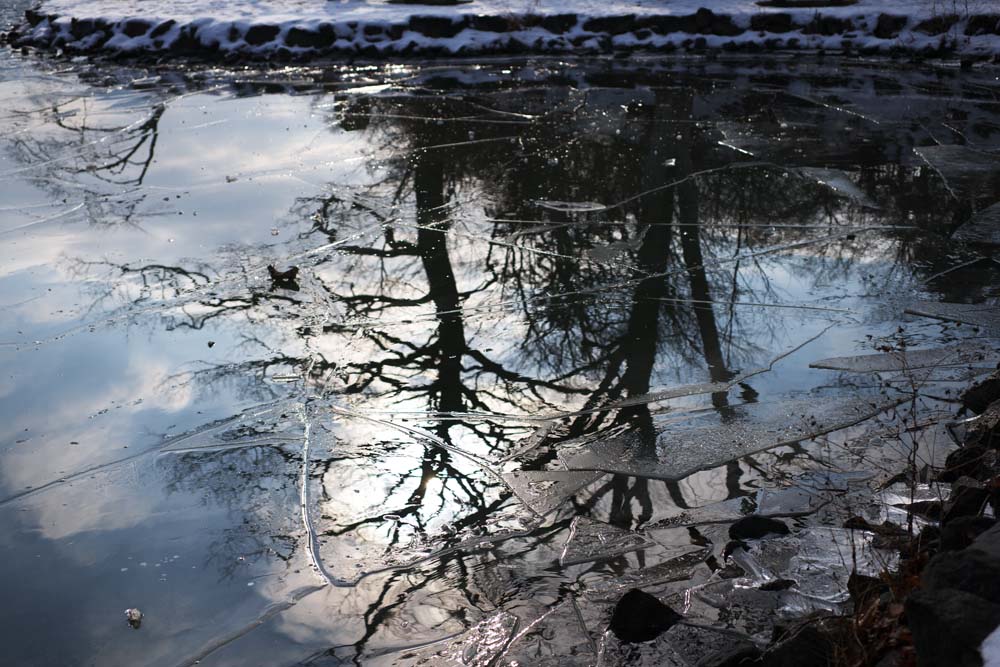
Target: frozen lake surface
point(555, 326)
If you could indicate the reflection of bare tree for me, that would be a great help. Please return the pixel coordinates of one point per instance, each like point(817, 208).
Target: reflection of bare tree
point(106, 165)
point(245, 482)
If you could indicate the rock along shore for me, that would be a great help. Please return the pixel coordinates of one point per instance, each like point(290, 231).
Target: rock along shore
point(427, 31)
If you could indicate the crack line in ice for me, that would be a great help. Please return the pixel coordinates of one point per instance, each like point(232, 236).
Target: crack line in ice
point(270, 611)
point(312, 541)
point(54, 216)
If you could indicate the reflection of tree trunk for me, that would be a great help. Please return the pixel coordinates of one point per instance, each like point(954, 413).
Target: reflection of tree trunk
point(642, 333)
point(432, 244)
point(700, 293)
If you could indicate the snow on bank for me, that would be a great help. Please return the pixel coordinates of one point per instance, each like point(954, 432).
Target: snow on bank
point(305, 28)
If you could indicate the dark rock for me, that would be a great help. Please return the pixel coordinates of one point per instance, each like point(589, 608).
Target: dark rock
point(863, 588)
point(962, 532)
point(885, 528)
point(309, 38)
point(969, 461)
point(436, 27)
point(490, 23)
point(983, 24)
point(558, 23)
point(777, 585)
point(771, 22)
point(613, 25)
point(735, 655)
point(640, 617)
point(80, 28)
point(936, 25)
point(968, 498)
point(187, 41)
point(135, 27)
point(971, 570)
point(261, 34)
point(754, 526)
point(979, 396)
point(984, 431)
point(888, 26)
point(163, 28)
point(732, 546)
point(282, 277)
point(948, 626)
point(989, 542)
point(810, 644)
point(33, 17)
point(828, 25)
point(665, 25)
point(929, 509)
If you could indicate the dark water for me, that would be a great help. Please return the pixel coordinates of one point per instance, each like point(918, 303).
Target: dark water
point(506, 271)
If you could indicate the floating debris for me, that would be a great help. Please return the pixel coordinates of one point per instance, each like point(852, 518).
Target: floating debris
point(134, 617)
point(840, 182)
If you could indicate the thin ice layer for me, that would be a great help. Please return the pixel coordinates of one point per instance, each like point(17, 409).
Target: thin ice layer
point(713, 438)
point(983, 315)
point(270, 424)
point(983, 228)
point(479, 646)
point(803, 495)
point(956, 355)
point(819, 560)
point(966, 171)
point(591, 540)
point(545, 490)
point(555, 639)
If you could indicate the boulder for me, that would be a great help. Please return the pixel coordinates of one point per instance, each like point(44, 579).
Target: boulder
point(970, 570)
point(979, 396)
point(948, 626)
point(640, 617)
point(753, 527)
point(961, 532)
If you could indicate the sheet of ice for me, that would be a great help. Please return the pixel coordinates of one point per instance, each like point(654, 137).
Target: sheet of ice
point(274, 424)
point(966, 171)
point(983, 228)
point(957, 355)
point(545, 490)
point(556, 639)
point(819, 560)
point(676, 568)
point(801, 496)
point(712, 438)
point(479, 646)
point(984, 315)
point(590, 540)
